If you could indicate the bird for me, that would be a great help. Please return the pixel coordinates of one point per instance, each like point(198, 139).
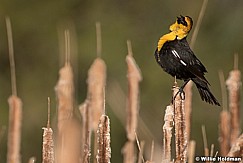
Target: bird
point(175, 57)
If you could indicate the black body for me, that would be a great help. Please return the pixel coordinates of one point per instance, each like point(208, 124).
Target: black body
point(177, 59)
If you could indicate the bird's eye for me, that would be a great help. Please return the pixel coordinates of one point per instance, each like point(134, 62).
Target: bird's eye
point(184, 23)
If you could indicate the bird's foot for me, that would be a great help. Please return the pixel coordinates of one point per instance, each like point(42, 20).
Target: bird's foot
point(181, 93)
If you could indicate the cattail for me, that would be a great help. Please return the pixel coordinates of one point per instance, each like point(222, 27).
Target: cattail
point(128, 152)
point(97, 82)
point(48, 146)
point(205, 141)
point(191, 151)
point(141, 149)
point(65, 95)
point(69, 136)
point(188, 87)
point(167, 131)
point(233, 84)
point(15, 107)
point(134, 77)
point(103, 141)
point(96, 85)
point(32, 160)
point(237, 148)
point(96, 88)
point(188, 108)
point(140, 146)
point(199, 21)
point(151, 153)
point(180, 127)
point(86, 131)
point(224, 132)
point(48, 142)
point(224, 118)
point(14, 131)
point(65, 88)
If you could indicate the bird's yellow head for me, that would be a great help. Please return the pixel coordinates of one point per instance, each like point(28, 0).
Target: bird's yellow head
point(178, 30)
point(182, 26)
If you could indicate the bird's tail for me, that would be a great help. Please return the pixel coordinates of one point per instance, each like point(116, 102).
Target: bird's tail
point(204, 92)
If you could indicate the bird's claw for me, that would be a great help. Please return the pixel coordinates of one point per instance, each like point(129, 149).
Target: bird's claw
point(181, 93)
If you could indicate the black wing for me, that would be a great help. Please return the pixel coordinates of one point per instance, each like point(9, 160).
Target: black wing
point(183, 53)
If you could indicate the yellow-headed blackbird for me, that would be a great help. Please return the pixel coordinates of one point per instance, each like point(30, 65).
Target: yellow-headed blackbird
point(174, 55)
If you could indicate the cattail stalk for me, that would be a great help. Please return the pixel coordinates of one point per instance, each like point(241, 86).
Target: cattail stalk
point(103, 141)
point(167, 131)
point(134, 77)
point(180, 126)
point(205, 141)
point(152, 152)
point(32, 160)
point(191, 151)
point(188, 87)
point(211, 150)
point(233, 84)
point(141, 149)
point(199, 21)
point(140, 146)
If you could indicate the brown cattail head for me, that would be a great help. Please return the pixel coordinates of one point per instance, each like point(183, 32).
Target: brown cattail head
point(96, 85)
point(65, 92)
point(188, 108)
point(167, 132)
point(69, 136)
point(103, 141)
point(180, 127)
point(128, 152)
point(69, 142)
point(47, 146)
point(14, 131)
point(233, 84)
point(86, 131)
point(224, 132)
point(134, 77)
point(237, 148)
point(48, 142)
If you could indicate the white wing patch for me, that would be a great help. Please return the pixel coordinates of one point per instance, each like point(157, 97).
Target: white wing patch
point(182, 62)
point(177, 56)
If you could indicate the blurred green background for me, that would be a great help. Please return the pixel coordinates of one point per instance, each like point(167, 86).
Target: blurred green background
point(38, 43)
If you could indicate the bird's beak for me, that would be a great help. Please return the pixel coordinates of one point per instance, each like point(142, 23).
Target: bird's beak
point(180, 19)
